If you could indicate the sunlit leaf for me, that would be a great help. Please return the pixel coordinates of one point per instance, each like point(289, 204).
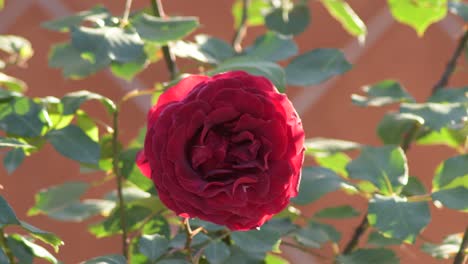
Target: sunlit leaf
point(350, 21)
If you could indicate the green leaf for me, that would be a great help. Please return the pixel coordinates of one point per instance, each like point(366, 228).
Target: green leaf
point(437, 115)
point(57, 197)
point(369, 256)
point(132, 173)
point(16, 45)
point(385, 167)
point(44, 236)
point(397, 218)
point(418, 14)
point(79, 211)
point(414, 187)
point(6, 95)
point(377, 239)
point(446, 136)
point(73, 143)
point(12, 83)
point(13, 143)
point(382, 93)
point(288, 21)
point(163, 30)
point(256, 241)
point(329, 145)
point(350, 21)
point(395, 127)
point(87, 124)
point(153, 246)
point(339, 212)
point(20, 116)
point(3, 256)
point(7, 215)
point(72, 101)
point(316, 66)
point(454, 95)
point(108, 259)
point(74, 63)
point(13, 159)
point(239, 256)
point(315, 183)
point(128, 70)
point(206, 49)
point(272, 47)
point(96, 15)
point(447, 249)
point(275, 259)
point(336, 162)
point(267, 69)
point(459, 8)
point(454, 198)
point(315, 234)
point(255, 13)
point(113, 43)
point(451, 173)
point(36, 250)
point(217, 252)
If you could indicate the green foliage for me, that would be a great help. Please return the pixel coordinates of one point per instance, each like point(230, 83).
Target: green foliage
point(369, 256)
point(217, 252)
point(272, 47)
point(288, 20)
point(418, 14)
point(448, 248)
point(108, 259)
point(255, 15)
point(153, 246)
point(96, 15)
point(350, 21)
point(316, 66)
point(315, 183)
point(340, 212)
point(459, 8)
point(382, 93)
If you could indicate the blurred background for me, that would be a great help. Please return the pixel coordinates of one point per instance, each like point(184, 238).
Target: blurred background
point(391, 51)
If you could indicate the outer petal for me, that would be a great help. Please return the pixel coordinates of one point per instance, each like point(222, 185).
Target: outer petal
point(143, 164)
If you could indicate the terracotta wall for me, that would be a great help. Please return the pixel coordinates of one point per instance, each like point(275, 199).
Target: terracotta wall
point(392, 51)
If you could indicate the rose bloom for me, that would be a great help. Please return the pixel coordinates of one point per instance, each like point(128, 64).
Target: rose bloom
point(227, 149)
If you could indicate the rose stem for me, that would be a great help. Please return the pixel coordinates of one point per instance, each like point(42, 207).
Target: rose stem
point(405, 145)
point(450, 68)
point(242, 29)
point(158, 11)
point(188, 241)
point(119, 179)
point(4, 245)
point(461, 255)
point(128, 5)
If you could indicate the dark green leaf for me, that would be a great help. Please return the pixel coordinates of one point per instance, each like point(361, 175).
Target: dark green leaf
point(288, 22)
point(255, 14)
point(369, 256)
point(44, 236)
point(12, 83)
point(7, 215)
point(385, 167)
point(6, 95)
point(22, 253)
point(270, 70)
point(328, 145)
point(454, 95)
point(163, 30)
point(316, 66)
point(213, 47)
point(437, 115)
point(16, 45)
point(13, 159)
point(64, 24)
point(153, 246)
point(420, 14)
point(73, 143)
point(57, 197)
point(72, 101)
point(454, 198)
point(36, 250)
point(451, 173)
point(3, 256)
point(459, 8)
point(377, 239)
point(128, 70)
point(383, 93)
point(397, 218)
point(447, 249)
point(21, 117)
point(78, 211)
point(445, 136)
point(350, 21)
point(13, 143)
point(74, 63)
point(132, 173)
point(340, 212)
point(217, 252)
point(256, 241)
point(336, 162)
point(239, 256)
point(315, 183)
point(395, 127)
point(108, 259)
point(413, 187)
point(272, 47)
point(113, 43)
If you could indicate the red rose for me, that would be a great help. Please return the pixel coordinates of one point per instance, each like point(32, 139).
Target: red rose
point(227, 149)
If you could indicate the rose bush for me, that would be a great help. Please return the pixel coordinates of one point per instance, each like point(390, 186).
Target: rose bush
point(226, 149)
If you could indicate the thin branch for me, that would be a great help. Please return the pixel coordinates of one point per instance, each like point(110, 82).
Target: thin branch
point(242, 29)
point(169, 57)
point(128, 5)
point(119, 179)
point(461, 255)
point(358, 232)
point(4, 245)
point(452, 63)
point(189, 237)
